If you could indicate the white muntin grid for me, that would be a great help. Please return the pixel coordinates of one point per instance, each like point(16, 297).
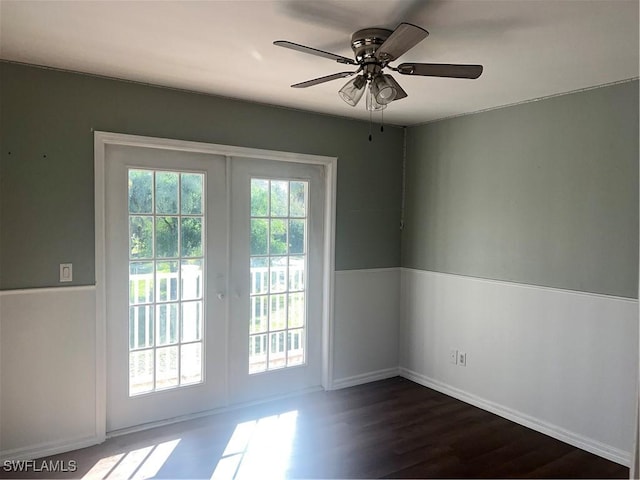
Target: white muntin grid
point(278, 276)
point(166, 284)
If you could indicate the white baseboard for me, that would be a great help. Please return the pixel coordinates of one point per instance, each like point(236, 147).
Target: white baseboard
point(364, 378)
point(598, 448)
point(49, 448)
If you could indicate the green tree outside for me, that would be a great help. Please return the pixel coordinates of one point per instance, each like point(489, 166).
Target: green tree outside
point(182, 193)
point(169, 227)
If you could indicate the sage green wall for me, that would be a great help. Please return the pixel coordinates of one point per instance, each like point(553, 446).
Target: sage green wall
point(543, 193)
point(46, 169)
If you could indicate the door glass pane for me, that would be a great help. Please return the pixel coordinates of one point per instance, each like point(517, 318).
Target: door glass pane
point(277, 274)
point(257, 353)
point(167, 323)
point(279, 198)
point(167, 367)
point(259, 314)
point(296, 273)
point(259, 236)
point(296, 310)
point(167, 281)
point(140, 191)
point(278, 237)
point(166, 237)
point(296, 236)
point(259, 198)
point(191, 272)
point(191, 194)
point(298, 198)
point(141, 326)
point(167, 192)
point(295, 350)
point(191, 363)
point(141, 288)
point(141, 372)
point(166, 272)
point(277, 351)
point(140, 237)
point(191, 321)
point(277, 312)
point(191, 239)
point(259, 275)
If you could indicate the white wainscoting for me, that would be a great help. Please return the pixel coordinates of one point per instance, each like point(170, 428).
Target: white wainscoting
point(47, 380)
point(48, 357)
point(560, 362)
point(367, 303)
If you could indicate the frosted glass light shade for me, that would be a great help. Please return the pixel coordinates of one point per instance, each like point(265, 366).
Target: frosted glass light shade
point(383, 90)
point(372, 103)
point(353, 90)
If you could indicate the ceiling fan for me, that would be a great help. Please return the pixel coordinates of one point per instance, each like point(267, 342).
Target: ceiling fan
point(374, 49)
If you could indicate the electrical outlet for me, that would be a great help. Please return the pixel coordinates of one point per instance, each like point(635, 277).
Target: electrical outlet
point(462, 359)
point(453, 356)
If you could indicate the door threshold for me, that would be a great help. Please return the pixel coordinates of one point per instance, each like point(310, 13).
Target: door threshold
point(214, 411)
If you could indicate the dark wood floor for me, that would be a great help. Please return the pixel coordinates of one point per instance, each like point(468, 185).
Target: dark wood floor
point(388, 429)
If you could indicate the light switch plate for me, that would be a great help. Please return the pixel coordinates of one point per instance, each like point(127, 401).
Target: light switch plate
point(66, 272)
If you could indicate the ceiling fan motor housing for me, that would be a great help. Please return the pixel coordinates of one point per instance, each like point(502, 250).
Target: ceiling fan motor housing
point(365, 42)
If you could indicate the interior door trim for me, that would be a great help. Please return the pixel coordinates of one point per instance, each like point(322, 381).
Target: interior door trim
point(102, 140)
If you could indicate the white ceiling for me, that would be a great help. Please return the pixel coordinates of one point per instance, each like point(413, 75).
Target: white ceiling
point(529, 48)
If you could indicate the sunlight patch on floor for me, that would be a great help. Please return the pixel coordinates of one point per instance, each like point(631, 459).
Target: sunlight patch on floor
point(258, 449)
point(141, 463)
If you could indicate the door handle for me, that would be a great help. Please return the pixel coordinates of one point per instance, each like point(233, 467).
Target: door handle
point(220, 296)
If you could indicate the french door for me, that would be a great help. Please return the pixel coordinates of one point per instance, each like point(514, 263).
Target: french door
point(279, 208)
point(166, 246)
point(214, 280)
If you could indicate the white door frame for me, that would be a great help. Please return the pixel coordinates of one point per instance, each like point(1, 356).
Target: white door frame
point(102, 139)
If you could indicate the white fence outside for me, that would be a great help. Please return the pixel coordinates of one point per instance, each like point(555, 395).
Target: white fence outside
point(145, 289)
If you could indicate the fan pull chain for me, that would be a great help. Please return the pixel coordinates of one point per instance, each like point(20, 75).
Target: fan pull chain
point(370, 121)
point(382, 119)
